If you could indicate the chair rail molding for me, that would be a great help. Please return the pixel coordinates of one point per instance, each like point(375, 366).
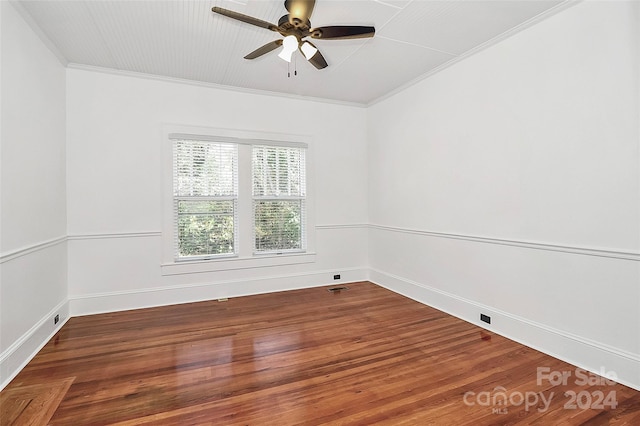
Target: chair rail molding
point(585, 251)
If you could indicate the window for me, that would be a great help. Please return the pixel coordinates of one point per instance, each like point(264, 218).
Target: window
point(237, 198)
point(205, 191)
point(279, 190)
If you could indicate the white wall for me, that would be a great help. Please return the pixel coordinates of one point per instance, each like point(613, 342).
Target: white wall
point(115, 189)
point(508, 184)
point(33, 282)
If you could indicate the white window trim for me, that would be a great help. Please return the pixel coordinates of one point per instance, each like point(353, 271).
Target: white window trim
point(245, 257)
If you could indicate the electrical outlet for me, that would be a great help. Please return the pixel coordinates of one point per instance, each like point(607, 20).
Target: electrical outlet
point(336, 277)
point(56, 319)
point(485, 318)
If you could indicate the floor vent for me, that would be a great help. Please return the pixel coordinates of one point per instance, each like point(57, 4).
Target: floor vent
point(337, 289)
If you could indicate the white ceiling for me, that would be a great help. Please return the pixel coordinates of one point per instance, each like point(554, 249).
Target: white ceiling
point(184, 39)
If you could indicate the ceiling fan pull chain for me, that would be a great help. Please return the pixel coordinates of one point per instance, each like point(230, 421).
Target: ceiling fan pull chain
point(288, 70)
point(295, 66)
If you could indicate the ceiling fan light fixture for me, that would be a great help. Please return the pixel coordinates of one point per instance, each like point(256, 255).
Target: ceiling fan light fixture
point(289, 45)
point(308, 50)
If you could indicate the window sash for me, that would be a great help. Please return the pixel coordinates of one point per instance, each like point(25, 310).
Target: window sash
point(205, 199)
point(279, 199)
point(279, 225)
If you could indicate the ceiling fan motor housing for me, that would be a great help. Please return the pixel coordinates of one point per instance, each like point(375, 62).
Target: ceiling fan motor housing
point(286, 23)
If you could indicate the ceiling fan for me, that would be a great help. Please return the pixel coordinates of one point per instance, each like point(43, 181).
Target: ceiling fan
point(294, 27)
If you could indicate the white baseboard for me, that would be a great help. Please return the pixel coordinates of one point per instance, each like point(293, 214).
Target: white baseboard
point(162, 296)
point(576, 350)
point(18, 355)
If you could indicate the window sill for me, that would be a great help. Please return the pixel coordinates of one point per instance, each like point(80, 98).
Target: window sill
point(229, 264)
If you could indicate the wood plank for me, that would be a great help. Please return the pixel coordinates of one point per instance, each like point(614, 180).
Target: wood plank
point(362, 356)
point(32, 405)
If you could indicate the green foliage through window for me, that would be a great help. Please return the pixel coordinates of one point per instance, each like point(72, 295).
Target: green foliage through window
point(278, 225)
point(205, 228)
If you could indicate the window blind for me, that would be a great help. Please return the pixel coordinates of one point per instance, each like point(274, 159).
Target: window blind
point(205, 191)
point(279, 192)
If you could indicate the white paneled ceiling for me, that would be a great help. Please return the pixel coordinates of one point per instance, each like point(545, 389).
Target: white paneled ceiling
point(184, 39)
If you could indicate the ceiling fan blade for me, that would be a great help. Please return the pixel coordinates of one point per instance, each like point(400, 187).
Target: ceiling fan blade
point(264, 49)
point(244, 18)
point(318, 60)
point(299, 11)
point(342, 32)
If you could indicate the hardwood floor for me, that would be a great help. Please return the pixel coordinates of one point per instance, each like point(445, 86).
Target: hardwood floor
point(364, 356)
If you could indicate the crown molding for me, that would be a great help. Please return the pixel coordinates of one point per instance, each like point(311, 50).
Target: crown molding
point(175, 80)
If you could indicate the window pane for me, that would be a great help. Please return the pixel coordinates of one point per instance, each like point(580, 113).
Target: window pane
point(278, 225)
point(278, 171)
point(204, 169)
point(205, 227)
